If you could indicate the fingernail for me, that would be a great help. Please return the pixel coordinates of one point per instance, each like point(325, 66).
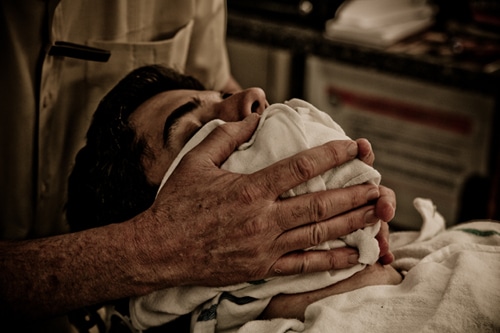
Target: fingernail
point(353, 259)
point(352, 149)
point(372, 194)
point(370, 218)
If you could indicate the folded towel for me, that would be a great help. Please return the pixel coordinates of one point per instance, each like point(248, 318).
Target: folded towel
point(284, 130)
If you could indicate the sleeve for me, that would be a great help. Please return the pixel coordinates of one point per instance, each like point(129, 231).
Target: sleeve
point(208, 59)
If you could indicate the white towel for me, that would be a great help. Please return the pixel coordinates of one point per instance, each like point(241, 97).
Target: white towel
point(284, 130)
point(452, 285)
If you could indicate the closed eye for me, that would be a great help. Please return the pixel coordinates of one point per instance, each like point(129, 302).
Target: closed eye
point(176, 115)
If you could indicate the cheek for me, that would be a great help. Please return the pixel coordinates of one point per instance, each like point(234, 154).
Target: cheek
point(156, 169)
point(156, 161)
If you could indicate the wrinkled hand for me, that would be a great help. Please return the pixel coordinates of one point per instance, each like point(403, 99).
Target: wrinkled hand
point(214, 227)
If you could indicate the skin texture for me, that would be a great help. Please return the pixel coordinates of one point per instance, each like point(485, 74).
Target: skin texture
point(237, 227)
point(256, 197)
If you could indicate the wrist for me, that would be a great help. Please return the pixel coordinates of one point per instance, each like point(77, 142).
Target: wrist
point(154, 259)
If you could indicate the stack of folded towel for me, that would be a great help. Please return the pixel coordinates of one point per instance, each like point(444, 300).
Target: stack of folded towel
point(379, 23)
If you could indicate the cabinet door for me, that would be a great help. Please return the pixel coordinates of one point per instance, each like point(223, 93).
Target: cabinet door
point(254, 65)
point(430, 141)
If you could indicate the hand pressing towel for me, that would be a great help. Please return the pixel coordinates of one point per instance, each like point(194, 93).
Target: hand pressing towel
point(284, 130)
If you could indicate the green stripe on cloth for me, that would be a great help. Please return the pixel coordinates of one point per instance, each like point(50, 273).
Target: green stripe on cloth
point(481, 233)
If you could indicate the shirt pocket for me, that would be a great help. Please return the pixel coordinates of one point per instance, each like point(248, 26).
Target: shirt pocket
point(125, 57)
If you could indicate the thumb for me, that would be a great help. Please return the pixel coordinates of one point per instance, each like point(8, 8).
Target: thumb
point(225, 139)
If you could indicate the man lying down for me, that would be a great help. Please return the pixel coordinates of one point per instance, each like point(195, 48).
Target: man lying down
point(96, 193)
point(284, 130)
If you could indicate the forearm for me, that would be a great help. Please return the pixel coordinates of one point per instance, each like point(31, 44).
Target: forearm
point(57, 274)
point(294, 305)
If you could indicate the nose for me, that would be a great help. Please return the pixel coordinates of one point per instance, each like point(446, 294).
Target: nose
point(242, 103)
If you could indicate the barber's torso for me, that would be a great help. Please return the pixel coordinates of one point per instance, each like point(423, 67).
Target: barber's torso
point(48, 101)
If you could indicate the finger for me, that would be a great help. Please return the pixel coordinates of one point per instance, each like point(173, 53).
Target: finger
point(290, 172)
point(385, 257)
point(385, 207)
point(314, 261)
point(319, 206)
point(224, 140)
point(316, 233)
point(365, 151)
point(383, 239)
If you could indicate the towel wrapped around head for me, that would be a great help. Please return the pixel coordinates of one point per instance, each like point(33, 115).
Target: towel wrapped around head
point(284, 130)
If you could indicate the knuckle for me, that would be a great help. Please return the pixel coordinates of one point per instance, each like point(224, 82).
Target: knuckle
point(316, 234)
point(254, 228)
point(303, 168)
point(320, 208)
point(248, 194)
point(304, 266)
point(335, 156)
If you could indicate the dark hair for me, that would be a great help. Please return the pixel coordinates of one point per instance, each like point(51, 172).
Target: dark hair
point(108, 183)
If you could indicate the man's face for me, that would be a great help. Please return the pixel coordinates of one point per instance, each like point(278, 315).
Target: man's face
point(168, 120)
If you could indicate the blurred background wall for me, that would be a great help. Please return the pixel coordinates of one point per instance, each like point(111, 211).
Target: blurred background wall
point(419, 79)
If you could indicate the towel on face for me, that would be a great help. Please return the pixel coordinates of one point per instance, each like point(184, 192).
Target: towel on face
point(284, 130)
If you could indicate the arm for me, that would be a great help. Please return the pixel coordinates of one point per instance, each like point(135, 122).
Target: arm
point(237, 228)
point(294, 305)
point(53, 275)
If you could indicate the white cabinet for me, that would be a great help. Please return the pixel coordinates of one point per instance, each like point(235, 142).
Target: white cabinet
point(428, 139)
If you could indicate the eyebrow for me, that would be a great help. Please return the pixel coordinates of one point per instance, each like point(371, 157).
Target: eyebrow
point(176, 115)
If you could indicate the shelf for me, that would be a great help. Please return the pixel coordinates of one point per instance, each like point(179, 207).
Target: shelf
point(399, 59)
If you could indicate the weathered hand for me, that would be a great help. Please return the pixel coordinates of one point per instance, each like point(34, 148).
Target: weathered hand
point(225, 228)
